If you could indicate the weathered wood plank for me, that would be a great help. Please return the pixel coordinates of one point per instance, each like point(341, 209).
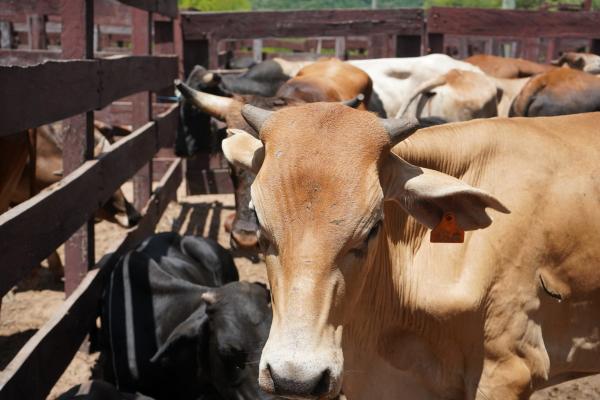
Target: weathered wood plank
point(165, 7)
point(77, 39)
point(119, 113)
point(491, 22)
point(39, 364)
point(30, 95)
point(125, 75)
point(33, 229)
point(238, 25)
point(36, 31)
point(142, 102)
point(21, 57)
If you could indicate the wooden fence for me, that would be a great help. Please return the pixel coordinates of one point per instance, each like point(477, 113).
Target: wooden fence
point(48, 92)
point(535, 35)
point(73, 88)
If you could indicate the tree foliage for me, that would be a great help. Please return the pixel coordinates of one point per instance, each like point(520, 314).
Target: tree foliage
point(216, 5)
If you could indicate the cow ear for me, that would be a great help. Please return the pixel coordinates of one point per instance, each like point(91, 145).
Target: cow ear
point(180, 348)
point(243, 150)
point(428, 195)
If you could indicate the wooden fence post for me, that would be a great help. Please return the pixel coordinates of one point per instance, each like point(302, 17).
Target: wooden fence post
point(77, 42)
point(178, 44)
point(340, 48)
point(141, 37)
point(257, 49)
point(6, 35)
point(36, 24)
point(213, 52)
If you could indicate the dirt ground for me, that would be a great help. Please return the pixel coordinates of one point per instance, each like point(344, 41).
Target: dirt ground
point(26, 308)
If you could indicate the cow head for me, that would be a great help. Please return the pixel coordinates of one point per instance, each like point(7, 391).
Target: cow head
point(324, 173)
point(229, 109)
point(228, 339)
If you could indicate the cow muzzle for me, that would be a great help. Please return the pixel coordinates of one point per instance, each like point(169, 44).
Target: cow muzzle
point(244, 235)
point(301, 374)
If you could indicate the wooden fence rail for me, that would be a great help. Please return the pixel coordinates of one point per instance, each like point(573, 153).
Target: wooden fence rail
point(55, 90)
point(36, 95)
point(33, 371)
point(53, 215)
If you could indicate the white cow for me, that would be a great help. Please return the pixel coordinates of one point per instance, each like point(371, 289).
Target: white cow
point(396, 79)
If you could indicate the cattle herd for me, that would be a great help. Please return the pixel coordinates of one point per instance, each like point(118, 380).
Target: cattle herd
point(430, 230)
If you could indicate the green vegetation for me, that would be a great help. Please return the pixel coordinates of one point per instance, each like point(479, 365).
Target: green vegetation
point(216, 5)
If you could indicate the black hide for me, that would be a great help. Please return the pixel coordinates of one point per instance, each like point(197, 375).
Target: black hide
point(98, 390)
point(172, 331)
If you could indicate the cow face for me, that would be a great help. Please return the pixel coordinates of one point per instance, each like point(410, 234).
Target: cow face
point(229, 110)
point(239, 322)
point(324, 173)
point(245, 226)
point(228, 339)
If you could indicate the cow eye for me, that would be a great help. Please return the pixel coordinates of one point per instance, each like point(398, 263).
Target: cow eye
point(236, 358)
point(361, 250)
point(373, 232)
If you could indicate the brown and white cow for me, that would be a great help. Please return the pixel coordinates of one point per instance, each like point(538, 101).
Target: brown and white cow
point(506, 67)
point(364, 302)
point(457, 95)
point(586, 62)
point(558, 92)
point(324, 80)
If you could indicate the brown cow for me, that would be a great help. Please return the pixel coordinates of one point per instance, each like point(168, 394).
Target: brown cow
point(325, 80)
point(14, 150)
point(364, 295)
point(505, 67)
point(49, 155)
point(49, 170)
point(558, 92)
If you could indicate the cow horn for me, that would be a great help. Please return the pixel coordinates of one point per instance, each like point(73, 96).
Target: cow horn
point(354, 102)
point(216, 106)
point(255, 116)
point(399, 128)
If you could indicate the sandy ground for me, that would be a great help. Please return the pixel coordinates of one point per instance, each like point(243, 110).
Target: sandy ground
point(26, 308)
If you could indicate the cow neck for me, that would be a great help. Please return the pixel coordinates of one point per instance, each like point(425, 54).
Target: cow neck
point(393, 296)
point(387, 299)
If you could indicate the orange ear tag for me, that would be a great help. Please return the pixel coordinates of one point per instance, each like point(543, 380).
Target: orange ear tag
point(447, 231)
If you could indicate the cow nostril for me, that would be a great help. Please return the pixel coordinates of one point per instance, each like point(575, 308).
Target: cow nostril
point(322, 386)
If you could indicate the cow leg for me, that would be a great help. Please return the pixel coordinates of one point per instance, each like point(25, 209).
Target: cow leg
point(506, 379)
point(55, 266)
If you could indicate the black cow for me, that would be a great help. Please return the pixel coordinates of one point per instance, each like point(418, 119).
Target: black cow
point(173, 332)
point(263, 79)
point(98, 390)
